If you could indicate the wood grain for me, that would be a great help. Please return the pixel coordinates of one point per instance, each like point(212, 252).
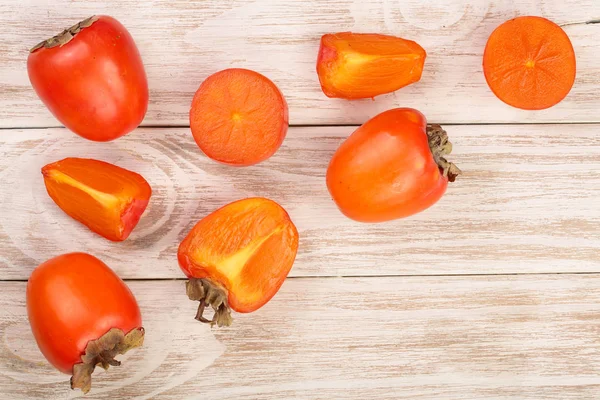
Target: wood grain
point(500, 337)
point(527, 203)
point(184, 41)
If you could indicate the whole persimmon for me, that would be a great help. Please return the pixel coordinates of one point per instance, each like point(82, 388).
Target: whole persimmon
point(91, 78)
point(391, 167)
point(82, 315)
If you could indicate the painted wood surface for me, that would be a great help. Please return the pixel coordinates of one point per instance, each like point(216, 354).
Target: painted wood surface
point(184, 41)
point(520, 229)
point(498, 337)
point(527, 203)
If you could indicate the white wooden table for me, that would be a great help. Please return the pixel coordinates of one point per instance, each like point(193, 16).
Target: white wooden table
point(494, 293)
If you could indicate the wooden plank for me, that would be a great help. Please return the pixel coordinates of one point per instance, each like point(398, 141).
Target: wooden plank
point(527, 203)
point(183, 41)
point(500, 337)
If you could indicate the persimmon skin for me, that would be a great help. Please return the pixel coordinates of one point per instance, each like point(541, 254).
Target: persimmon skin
point(385, 169)
point(108, 199)
point(246, 247)
point(529, 63)
point(95, 84)
point(238, 117)
point(73, 299)
point(365, 65)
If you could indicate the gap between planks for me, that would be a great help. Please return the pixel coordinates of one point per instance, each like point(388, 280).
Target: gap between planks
point(180, 126)
point(366, 276)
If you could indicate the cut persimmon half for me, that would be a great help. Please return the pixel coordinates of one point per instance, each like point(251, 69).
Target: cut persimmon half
point(238, 257)
point(109, 200)
point(529, 63)
point(238, 117)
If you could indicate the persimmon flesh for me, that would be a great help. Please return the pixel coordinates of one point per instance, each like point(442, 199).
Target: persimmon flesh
point(238, 257)
point(108, 199)
point(529, 63)
point(365, 65)
point(238, 117)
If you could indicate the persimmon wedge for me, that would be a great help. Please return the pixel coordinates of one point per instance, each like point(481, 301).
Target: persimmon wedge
point(108, 199)
point(238, 257)
point(529, 63)
point(365, 65)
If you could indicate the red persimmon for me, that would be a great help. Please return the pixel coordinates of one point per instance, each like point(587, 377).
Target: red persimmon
point(391, 167)
point(82, 315)
point(91, 77)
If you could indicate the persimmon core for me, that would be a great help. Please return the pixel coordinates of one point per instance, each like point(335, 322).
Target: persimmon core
point(233, 265)
point(107, 200)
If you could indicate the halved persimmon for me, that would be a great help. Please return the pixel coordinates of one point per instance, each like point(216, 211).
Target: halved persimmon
point(238, 117)
point(238, 257)
point(529, 63)
point(109, 200)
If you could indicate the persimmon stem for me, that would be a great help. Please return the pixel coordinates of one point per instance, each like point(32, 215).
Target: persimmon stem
point(102, 351)
point(201, 308)
point(65, 36)
point(440, 147)
point(208, 293)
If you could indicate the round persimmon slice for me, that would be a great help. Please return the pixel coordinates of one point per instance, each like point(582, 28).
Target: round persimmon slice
point(529, 63)
point(238, 117)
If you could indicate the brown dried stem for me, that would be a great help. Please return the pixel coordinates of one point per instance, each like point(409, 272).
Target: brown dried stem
point(102, 351)
point(440, 147)
point(207, 293)
point(65, 36)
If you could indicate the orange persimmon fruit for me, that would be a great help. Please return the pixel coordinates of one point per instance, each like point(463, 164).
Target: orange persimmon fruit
point(92, 78)
point(529, 63)
point(365, 65)
point(82, 315)
point(393, 166)
point(238, 257)
point(238, 117)
point(109, 200)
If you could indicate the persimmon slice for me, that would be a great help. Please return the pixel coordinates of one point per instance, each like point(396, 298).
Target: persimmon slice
point(529, 63)
point(364, 65)
point(238, 117)
point(108, 199)
point(238, 257)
